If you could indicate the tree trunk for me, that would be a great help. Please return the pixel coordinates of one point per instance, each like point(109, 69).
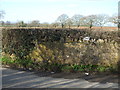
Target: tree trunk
point(78, 25)
point(62, 25)
point(91, 26)
point(69, 26)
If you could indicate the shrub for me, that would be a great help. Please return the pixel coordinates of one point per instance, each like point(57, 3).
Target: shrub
point(43, 48)
point(7, 60)
point(67, 69)
point(55, 67)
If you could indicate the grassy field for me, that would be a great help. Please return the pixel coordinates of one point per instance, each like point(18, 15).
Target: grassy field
point(93, 28)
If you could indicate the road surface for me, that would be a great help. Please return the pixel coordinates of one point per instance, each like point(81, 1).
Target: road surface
point(23, 79)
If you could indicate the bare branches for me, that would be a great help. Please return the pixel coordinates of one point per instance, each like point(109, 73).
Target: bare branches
point(2, 14)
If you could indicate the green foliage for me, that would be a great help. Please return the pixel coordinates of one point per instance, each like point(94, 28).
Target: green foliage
point(17, 63)
point(7, 60)
point(102, 68)
point(84, 67)
point(88, 68)
point(26, 63)
point(55, 67)
point(67, 69)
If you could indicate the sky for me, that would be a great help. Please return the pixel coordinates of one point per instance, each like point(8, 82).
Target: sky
point(49, 10)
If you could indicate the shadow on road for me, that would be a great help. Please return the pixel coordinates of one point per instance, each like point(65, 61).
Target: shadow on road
point(28, 79)
point(101, 78)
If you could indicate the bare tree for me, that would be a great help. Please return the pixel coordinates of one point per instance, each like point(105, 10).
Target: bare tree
point(62, 19)
point(34, 23)
point(21, 24)
point(45, 24)
point(69, 22)
point(101, 19)
point(55, 24)
point(114, 19)
point(2, 14)
point(77, 19)
point(2, 23)
point(90, 20)
point(7, 23)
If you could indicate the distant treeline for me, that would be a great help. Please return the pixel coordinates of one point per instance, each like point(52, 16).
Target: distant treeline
point(65, 21)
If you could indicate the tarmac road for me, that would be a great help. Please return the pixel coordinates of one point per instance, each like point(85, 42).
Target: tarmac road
point(23, 79)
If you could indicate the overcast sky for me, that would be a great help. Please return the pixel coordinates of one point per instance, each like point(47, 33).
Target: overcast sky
point(49, 10)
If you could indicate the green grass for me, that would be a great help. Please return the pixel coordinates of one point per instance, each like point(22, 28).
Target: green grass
point(55, 66)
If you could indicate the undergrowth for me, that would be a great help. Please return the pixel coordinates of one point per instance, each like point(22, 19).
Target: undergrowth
point(55, 67)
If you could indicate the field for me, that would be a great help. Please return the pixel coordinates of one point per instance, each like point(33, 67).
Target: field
point(93, 28)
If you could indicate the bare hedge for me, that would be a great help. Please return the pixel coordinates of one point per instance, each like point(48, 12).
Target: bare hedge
point(62, 45)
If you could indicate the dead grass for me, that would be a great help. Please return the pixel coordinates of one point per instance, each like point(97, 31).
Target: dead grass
point(93, 28)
